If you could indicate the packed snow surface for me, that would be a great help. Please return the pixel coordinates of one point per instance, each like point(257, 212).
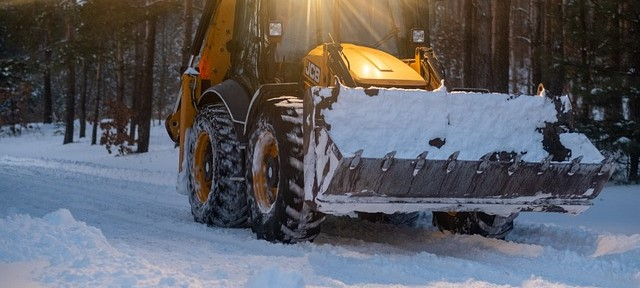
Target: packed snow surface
point(475, 124)
point(74, 216)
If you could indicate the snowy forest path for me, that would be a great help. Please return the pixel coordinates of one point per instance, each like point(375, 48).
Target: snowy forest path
point(151, 221)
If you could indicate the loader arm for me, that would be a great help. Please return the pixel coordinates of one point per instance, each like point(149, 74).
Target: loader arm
point(210, 46)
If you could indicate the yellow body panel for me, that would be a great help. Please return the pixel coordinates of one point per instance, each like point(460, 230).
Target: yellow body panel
point(214, 63)
point(377, 68)
point(368, 67)
point(316, 62)
point(190, 88)
point(215, 59)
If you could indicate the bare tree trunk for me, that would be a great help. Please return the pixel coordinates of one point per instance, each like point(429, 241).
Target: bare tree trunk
point(120, 87)
point(424, 19)
point(538, 12)
point(501, 36)
point(82, 113)
point(613, 111)
point(119, 73)
point(48, 96)
point(447, 38)
point(482, 38)
point(521, 41)
point(633, 79)
point(162, 93)
point(96, 110)
point(478, 44)
point(583, 113)
point(137, 84)
point(554, 78)
point(71, 87)
point(188, 31)
point(146, 103)
point(469, 67)
point(634, 161)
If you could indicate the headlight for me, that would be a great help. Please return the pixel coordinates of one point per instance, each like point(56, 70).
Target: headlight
point(275, 29)
point(418, 35)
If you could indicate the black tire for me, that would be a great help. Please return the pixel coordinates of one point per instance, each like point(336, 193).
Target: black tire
point(214, 166)
point(275, 185)
point(487, 225)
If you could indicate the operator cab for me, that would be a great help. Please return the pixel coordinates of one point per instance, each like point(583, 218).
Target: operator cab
point(385, 30)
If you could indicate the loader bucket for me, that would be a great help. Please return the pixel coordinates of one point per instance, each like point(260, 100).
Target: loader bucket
point(396, 150)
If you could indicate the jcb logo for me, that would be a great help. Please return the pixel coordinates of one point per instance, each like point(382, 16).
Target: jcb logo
point(312, 71)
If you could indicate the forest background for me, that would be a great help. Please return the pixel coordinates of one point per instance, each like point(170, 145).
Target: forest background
point(117, 63)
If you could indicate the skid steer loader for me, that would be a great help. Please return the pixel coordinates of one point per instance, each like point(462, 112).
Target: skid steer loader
point(291, 110)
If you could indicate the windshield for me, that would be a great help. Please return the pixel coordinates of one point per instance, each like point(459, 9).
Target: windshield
point(378, 24)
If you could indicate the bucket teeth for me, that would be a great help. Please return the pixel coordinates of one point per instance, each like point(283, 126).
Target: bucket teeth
point(575, 164)
point(546, 163)
point(388, 160)
point(486, 159)
point(516, 163)
point(419, 162)
point(452, 161)
point(356, 160)
point(606, 166)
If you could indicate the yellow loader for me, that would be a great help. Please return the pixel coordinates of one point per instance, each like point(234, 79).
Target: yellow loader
point(292, 110)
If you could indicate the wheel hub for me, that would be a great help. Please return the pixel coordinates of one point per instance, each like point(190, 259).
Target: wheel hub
point(266, 171)
point(272, 172)
point(208, 164)
point(203, 167)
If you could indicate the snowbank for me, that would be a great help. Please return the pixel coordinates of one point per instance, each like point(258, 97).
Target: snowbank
point(62, 250)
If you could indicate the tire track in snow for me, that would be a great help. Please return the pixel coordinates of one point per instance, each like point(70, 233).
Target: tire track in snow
point(144, 176)
point(555, 253)
point(91, 196)
point(121, 209)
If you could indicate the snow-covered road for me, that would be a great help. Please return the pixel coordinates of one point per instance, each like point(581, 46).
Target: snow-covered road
point(75, 216)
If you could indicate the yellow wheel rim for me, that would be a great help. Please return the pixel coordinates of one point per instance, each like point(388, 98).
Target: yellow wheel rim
point(266, 171)
point(203, 168)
